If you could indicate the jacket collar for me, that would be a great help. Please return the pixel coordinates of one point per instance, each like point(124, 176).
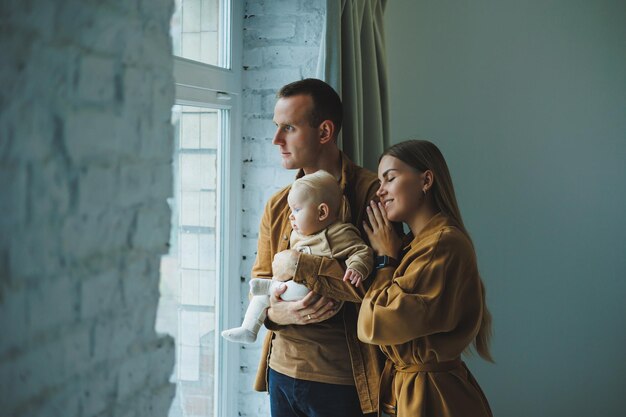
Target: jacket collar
point(347, 171)
point(435, 224)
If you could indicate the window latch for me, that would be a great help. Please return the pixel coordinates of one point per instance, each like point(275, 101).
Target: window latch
point(223, 96)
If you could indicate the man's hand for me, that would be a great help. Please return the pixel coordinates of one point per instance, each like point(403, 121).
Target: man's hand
point(313, 308)
point(284, 264)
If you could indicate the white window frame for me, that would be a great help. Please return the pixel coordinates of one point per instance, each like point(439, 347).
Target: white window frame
point(199, 84)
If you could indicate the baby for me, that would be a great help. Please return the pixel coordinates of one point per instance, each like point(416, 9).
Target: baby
point(317, 220)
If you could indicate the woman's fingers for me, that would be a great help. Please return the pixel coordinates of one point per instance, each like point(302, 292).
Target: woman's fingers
point(373, 215)
point(372, 219)
point(375, 209)
point(383, 214)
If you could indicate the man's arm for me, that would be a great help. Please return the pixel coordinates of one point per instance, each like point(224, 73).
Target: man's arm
point(263, 263)
point(313, 308)
point(281, 312)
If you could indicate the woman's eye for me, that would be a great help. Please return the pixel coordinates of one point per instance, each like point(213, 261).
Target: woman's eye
point(391, 179)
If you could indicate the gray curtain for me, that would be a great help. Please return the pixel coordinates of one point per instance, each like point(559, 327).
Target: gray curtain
point(352, 60)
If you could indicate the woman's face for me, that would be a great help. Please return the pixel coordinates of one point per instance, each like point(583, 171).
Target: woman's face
point(400, 189)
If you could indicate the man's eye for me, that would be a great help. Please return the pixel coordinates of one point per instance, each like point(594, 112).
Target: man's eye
point(288, 128)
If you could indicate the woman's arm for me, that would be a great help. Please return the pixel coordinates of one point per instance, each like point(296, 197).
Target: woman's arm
point(436, 288)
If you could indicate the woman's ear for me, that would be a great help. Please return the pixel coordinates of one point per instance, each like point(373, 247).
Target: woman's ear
point(323, 212)
point(429, 180)
point(327, 130)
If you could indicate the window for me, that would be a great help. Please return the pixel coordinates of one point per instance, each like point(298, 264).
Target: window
point(200, 31)
point(198, 275)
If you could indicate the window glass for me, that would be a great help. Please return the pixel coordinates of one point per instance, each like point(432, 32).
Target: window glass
point(198, 32)
point(196, 292)
point(187, 308)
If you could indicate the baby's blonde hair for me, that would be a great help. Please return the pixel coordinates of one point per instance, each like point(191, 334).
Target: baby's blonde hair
point(321, 187)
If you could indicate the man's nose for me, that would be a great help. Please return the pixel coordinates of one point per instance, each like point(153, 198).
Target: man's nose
point(277, 140)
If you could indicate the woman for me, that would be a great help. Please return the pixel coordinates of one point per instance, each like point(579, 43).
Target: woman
point(427, 302)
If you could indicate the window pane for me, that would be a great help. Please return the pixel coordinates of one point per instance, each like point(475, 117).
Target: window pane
point(189, 271)
point(196, 28)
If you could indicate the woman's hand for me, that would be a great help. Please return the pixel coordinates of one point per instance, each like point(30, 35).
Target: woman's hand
point(284, 264)
point(381, 234)
point(313, 308)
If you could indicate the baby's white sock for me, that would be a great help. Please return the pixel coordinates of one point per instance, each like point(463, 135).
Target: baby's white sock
point(260, 286)
point(239, 335)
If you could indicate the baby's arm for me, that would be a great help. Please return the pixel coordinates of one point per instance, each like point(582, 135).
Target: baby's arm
point(346, 243)
point(353, 276)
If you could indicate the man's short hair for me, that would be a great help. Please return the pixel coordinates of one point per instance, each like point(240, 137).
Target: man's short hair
point(326, 101)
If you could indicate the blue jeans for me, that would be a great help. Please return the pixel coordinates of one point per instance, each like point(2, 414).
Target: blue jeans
point(291, 397)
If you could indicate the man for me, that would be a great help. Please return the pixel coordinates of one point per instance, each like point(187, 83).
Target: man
point(312, 362)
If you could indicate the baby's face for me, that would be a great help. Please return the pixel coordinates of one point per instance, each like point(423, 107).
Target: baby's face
point(304, 216)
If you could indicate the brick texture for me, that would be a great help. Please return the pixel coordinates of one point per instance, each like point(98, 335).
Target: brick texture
point(281, 44)
point(85, 150)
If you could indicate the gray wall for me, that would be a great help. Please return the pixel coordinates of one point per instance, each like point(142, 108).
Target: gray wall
point(528, 102)
point(85, 171)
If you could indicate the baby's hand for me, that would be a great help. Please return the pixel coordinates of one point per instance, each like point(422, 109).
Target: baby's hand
point(353, 276)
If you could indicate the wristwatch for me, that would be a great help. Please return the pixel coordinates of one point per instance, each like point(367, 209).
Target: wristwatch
point(384, 260)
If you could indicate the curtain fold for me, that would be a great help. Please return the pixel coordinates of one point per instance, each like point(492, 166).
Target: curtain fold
point(352, 60)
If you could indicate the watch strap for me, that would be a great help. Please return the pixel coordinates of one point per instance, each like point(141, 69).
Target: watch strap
point(384, 260)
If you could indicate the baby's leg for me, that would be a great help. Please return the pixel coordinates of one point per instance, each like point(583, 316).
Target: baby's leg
point(252, 321)
point(294, 291)
point(260, 286)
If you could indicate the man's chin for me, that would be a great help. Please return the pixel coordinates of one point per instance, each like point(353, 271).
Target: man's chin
point(288, 162)
point(284, 161)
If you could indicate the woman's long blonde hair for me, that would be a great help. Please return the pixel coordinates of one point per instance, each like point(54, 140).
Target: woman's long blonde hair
point(423, 155)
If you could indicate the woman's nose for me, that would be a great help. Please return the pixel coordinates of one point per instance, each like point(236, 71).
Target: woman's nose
point(291, 217)
point(380, 191)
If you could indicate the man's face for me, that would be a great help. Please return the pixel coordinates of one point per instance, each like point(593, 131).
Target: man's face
point(299, 143)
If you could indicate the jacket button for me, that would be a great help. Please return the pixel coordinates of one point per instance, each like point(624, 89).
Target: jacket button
point(285, 237)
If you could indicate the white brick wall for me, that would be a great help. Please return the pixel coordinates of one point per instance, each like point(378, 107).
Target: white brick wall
point(85, 149)
point(281, 44)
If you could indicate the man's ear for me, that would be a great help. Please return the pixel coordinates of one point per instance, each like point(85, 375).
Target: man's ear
point(323, 211)
point(327, 131)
